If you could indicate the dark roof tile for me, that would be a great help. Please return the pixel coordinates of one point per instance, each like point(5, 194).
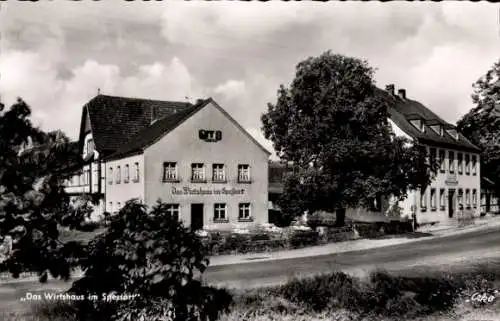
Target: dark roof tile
point(401, 111)
point(114, 119)
point(152, 133)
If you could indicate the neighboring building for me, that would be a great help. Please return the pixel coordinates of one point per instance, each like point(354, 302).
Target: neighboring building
point(489, 202)
point(458, 178)
point(195, 157)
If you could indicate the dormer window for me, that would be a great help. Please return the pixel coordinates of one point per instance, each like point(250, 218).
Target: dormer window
point(453, 133)
point(418, 123)
point(438, 129)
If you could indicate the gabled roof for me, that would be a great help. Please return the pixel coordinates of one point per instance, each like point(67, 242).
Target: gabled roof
point(114, 119)
point(162, 127)
point(401, 111)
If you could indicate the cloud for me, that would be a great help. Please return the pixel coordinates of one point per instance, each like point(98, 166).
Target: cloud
point(57, 103)
point(56, 55)
point(231, 89)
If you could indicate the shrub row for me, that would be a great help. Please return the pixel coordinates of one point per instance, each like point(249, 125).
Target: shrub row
point(381, 295)
point(218, 243)
point(227, 243)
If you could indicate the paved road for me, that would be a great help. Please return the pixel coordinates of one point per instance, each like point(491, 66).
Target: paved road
point(452, 252)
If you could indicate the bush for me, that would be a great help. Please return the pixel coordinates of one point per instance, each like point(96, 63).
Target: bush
point(321, 219)
point(320, 292)
point(300, 238)
point(89, 226)
point(152, 256)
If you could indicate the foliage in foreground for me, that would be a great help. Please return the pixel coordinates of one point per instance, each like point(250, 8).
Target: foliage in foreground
point(33, 204)
point(382, 296)
point(152, 256)
point(334, 296)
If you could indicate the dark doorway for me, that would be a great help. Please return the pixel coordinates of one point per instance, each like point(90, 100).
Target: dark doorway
point(451, 202)
point(488, 200)
point(196, 217)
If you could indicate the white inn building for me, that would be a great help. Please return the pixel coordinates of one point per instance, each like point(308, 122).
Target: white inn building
point(194, 157)
point(458, 178)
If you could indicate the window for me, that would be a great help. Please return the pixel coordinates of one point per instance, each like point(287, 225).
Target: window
point(218, 173)
point(451, 164)
point(467, 198)
point(90, 146)
point(474, 198)
point(169, 171)
point(173, 210)
point(243, 173)
point(211, 135)
point(460, 164)
point(442, 199)
point(442, 163)
point(460, 197)
point(220, 212)
point(118, 174)
point(419, 124)
point(110, 175)
point(474, 165)
point(423, 200)
point(433, 155)
point(136, 172)
point(433, 199)
point(244, 211)
point(127, 174)
point(197, 172)
point(467, 164)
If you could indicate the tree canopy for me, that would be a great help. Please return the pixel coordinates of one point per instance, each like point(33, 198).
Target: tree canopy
point(481, 125)
point(33, 204)
point(332, 123)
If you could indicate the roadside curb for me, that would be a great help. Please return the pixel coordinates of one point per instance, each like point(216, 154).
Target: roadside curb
point(319, 250)
point(348, 246)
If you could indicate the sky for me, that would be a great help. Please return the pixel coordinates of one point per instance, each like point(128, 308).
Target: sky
point(57, 54)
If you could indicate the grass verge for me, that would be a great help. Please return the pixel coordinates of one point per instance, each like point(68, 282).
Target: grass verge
point(338, 296)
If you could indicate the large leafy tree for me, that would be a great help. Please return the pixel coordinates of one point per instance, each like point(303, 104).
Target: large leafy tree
point(332, 123)
point(33, 204)
point(481, 125)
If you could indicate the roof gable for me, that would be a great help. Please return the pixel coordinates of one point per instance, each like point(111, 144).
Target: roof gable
point(115, 119)
point(162, 127)
point(243, 130)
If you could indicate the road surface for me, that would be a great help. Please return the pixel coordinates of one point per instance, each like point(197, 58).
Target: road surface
point(451, 252)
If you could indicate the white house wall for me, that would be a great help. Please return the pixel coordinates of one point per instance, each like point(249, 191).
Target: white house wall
point(184, 147)
point(122, 192)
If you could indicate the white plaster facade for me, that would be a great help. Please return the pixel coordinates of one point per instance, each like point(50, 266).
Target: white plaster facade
point(439, 202)
point(219, 202)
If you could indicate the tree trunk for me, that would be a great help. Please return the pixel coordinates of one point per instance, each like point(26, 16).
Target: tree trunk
point(340, 217)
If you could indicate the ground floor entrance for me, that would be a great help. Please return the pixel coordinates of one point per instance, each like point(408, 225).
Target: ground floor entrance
point(451, 202)
point(196, 217)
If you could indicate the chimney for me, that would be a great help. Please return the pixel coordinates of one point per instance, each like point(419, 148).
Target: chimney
point(402, 93)
point(390, 89)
